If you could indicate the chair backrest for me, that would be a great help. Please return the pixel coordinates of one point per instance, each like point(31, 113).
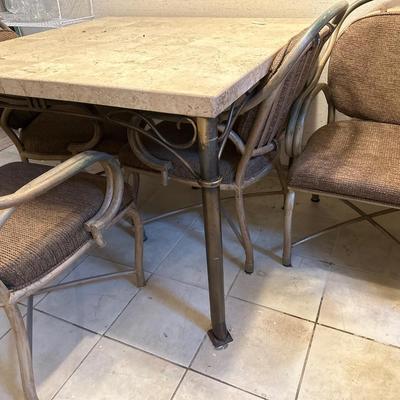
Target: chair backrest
point(6, 33)
point(291, 88)
point(364, 73)
point(265, 112)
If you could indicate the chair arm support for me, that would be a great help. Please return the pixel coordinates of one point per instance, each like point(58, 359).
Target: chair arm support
point(63, 172)
point(5, 116)
point(295, 131)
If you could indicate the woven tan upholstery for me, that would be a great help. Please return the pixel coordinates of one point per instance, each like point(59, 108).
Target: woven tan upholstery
point(359, 159)
point(7, 35)
point(364, 69)
point(228, 163)
point(51, 133)
point(292, 87)
point(44, 232)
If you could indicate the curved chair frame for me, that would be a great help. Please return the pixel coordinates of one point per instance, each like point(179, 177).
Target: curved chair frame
point(108, 214)
point(12, 104)
point(142, 124)
point(295, 145)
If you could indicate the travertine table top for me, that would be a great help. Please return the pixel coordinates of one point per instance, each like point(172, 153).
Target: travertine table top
point(191, 66)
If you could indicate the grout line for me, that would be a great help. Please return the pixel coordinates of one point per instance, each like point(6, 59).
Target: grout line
point(124, 308)
point(359, 336)
point(76, 369)
point(176, 364)
point(226, 383)
point(272, 309)
point(67, 322)
point(179, 384)
point(101, 336)
point(63, 279)
point(174, 246)
point(311, 339)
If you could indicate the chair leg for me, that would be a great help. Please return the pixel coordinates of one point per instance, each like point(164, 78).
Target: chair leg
point(287, 241)
point(23, 350)
point(315, 198)
point(282, 180)
point(139, 236)
point(244, 230)
point(29, 323)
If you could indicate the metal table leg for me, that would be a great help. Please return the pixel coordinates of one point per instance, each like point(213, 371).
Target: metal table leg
point(209, 169)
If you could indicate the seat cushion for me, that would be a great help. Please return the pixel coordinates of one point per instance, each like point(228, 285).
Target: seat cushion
point(363, 71)
point(228, 163)
point(355, 158)
point(44, 232)
point(51, 134)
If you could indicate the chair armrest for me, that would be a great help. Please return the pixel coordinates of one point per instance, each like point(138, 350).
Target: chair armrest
point(64, 171)
point(295, 130)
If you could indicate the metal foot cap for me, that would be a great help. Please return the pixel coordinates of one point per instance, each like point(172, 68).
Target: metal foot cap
point(218, 343)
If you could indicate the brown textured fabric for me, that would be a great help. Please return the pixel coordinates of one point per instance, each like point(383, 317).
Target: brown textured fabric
point(44, 232)
point(7, 35)
point(292, 87)
point(52, 133)
point(228, 163)
point(364, 69)
point(359, 159)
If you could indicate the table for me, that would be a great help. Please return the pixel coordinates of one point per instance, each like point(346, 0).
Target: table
point(196, 67)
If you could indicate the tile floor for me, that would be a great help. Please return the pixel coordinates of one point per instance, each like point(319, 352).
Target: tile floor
point(327, 329)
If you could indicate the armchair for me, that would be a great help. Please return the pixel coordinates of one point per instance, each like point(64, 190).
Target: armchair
point(354, 159)
point(49, 217)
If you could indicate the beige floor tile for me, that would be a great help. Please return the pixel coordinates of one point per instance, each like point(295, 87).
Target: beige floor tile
point(37, 299)
point(187, 261)
point(93, 306)
point(363, 303)
point(362, 246)
point(114, 371)
point(266, 356)
point(346, 367)
point(169, 198)
point(162, 236)
point(167, 318)
point(4, 325)
point(9, 155)
point(57, 351)
point(308, 218)
point(296, 290)
point(199, 387)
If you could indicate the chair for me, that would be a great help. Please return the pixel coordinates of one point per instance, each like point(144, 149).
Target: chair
point(249, 131)
point(59, 135)
point(354, 159)
point(63, 130)
point(49, 217)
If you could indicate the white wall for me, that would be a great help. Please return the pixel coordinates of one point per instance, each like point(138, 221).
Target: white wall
point(217, 8)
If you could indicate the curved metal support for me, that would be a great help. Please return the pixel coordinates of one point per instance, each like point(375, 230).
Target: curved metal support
point(75, 148)
point(331, 16)
point(298, 134)
point(150, 160)
point(245, 234)
point(296, 109)
point(22, 343)
point(287, 240)
point(13, 103)
point(5, 116)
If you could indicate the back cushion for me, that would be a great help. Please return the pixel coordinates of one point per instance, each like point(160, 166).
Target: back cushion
point(364, 72)
point(7, 35)
point(292, 86)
